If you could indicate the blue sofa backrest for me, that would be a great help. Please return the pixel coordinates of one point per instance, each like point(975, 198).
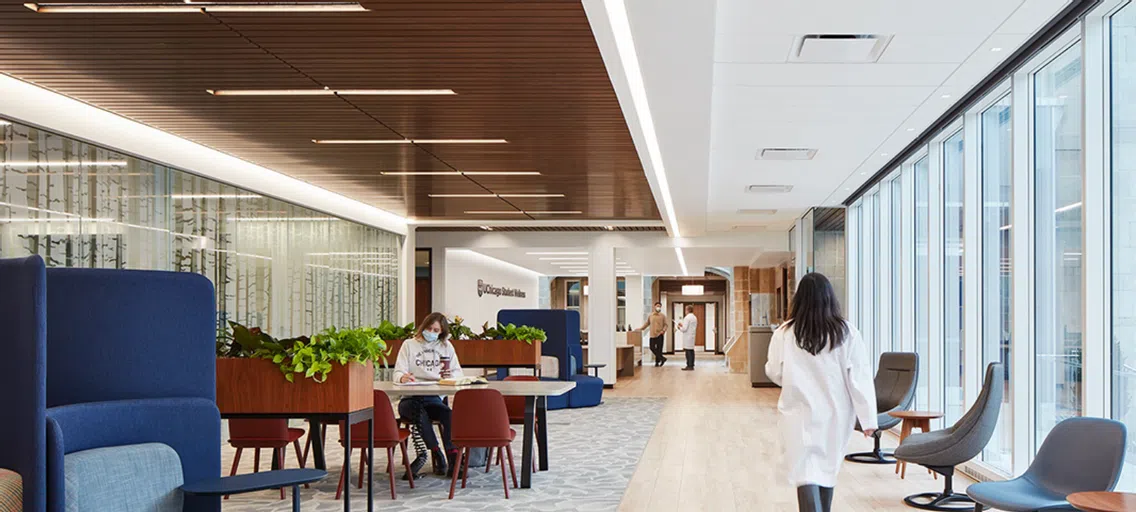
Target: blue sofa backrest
point(563, 330)
point(122, 334)
point(23, 431)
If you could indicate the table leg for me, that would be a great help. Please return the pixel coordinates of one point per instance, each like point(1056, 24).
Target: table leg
point(542, 431)
point(371, 464)
point(276, 459)
point(925, 426)
point(314, 429)
point(295, 498)
point(347, 465)
point(901, 466)
point(526, 451)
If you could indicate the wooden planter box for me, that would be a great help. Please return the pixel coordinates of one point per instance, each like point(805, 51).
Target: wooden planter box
point(256, 386)
point(485, 353)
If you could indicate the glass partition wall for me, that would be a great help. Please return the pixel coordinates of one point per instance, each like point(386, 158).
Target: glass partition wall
point(1008, 237)
point(282, 267)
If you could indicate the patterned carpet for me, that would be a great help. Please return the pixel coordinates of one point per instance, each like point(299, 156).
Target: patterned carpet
point(592, 455)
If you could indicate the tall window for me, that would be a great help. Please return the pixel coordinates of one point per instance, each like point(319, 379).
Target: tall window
point(897, 308)
point(874, 275)
point(869, 304)
point(996, 266)
point(1123, 115)
point(952, 276)
point(1058, 300)
point(922, 297)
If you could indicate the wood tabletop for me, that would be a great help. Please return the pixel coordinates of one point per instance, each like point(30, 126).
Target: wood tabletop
point(916, 415)
point(507, 388)
point(1103, 501)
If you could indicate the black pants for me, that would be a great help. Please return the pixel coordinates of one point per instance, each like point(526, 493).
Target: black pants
point(424, 410)
point(657, 347)
point(689, 358)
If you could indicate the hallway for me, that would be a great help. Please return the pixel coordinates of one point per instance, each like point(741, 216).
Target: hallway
point(716, 448)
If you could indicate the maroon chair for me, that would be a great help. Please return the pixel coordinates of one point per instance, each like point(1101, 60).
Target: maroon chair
point(387, 435)
point(266, 433)
point(516, 407)
point(481, 420)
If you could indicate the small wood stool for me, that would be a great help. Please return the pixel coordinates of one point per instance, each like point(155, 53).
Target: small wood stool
point(1103, 501)
point(913, 419)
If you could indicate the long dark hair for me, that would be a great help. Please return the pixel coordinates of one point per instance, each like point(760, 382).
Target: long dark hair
point(815, 315)
point(431, 319)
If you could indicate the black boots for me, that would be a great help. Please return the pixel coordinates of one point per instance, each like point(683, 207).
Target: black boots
point(416, 467)
point(814, 498)
point(438, 458)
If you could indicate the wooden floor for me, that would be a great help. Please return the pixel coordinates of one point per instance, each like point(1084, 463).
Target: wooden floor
point(716, 448)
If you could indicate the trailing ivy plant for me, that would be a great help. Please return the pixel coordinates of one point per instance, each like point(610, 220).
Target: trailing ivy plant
point(512, 332)
point(313, 358)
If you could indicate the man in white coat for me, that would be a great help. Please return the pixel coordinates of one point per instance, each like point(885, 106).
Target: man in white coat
point(688, 327)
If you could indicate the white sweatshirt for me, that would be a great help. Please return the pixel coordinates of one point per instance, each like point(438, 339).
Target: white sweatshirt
point(423, 360)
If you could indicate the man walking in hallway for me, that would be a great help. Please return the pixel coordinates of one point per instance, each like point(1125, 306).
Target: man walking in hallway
point(657, 322)
point(689, 329)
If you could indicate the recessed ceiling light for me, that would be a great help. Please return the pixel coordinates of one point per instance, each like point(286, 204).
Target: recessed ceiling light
point(410, 141)
point(460, 173)
point(556, 253)
point(945, 96)
point(487, 228)
point(883, 154)
point(330, 92)
point(786, 154)
point(863, 174)
point(195, 7)
point(911, 129)
point(996, 49)
point(757, 211)
point(493, 195)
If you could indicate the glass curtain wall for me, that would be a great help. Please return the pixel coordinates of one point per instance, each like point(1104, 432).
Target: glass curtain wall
point(953, 276)
point(281, 267)
point(1058, 301)
point(996, 172)
point(1122, 115)
point(922, 296)
point(897, 295)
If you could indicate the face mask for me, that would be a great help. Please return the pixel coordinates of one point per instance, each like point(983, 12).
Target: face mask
point(657, 308)
point(430, 336)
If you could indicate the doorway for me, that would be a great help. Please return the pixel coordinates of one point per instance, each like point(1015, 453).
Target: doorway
point(423, 284)
point(706, 337)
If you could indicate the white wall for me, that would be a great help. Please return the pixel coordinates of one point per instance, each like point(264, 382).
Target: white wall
point(463, 268)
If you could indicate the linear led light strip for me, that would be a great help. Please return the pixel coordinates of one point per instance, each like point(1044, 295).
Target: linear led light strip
point(330, 92)
point(410, 141)
point(452, 196)
point(625, 45)
point(681, 261)
point(458, 173)
point(523, 212)
point(195, 7)
point(112, 163)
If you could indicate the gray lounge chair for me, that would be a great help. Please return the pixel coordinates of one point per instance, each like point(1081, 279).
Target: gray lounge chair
point(895, 391)
point(1079, 454)
point(941, 450)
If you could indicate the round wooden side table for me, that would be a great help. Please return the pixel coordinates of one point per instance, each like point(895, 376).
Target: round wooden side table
point(913, 419)
point(1103, 501)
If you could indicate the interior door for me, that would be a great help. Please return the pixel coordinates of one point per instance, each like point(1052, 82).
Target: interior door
point(700, 334)
point(710, 328)
point(423, 287)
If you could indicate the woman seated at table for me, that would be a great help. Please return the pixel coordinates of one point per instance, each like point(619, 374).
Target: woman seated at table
point(428, 357)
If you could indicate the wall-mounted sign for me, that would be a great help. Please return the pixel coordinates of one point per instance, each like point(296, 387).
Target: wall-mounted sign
point(484, 288)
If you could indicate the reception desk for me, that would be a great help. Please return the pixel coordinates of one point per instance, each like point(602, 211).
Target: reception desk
point(624, 360)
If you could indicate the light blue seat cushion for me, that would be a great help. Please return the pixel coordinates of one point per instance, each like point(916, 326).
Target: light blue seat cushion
point(138, 477)
point(1018, 495)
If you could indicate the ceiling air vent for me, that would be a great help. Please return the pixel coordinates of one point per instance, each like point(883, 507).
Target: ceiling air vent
point(786, 154)
point(757, 211)
point(838, 48)
point(769, 189)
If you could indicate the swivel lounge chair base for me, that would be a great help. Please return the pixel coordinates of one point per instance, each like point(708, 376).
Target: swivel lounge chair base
point(946, 500)
point(895, 391)
point(876, 456)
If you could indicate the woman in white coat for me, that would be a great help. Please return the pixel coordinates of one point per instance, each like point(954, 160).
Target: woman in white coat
point(822, 366)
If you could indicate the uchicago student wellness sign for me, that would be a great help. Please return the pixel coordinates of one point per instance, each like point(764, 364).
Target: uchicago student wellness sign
point(484, 288)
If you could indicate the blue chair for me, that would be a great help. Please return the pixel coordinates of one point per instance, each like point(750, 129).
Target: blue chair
point(563, 343)
point(127, 360)
point(1078, 455)
point(22, 432)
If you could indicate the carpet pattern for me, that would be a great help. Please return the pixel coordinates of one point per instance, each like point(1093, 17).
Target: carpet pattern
point(592, 454)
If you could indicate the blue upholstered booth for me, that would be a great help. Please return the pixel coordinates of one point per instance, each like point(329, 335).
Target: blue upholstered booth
point(130, 359)
point(563, 330)
point(23, 381)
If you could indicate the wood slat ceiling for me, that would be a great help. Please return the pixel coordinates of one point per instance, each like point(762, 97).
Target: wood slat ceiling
point(529, 72)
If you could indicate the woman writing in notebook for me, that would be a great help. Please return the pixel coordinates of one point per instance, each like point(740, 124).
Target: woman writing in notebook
point(429, 357)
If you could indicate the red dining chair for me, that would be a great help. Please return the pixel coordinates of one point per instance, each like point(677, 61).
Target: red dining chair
point(516, 407)
point(264, 433)
point(387, 435)
point(480, 420)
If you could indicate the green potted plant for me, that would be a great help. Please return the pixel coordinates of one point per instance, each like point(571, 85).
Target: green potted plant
point(332, 371)
point(502, 346)
point(393, 335)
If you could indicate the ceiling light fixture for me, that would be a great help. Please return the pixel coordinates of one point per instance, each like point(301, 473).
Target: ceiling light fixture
point(996, 49)
point(460, 173)
point(883, 154)
point(410, 141)
point(625, 46)
point(693, 289)
point(681, 260)
point(911, 129)
point(195, 7)
point(945, 96)
point(330, 92)
point(556, 253)
point(453, 196)
point(563, 258)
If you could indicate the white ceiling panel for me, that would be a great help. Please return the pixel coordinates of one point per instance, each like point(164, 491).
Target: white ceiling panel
point(931, 48)
point(862, 16)
point(752, 47)
point(841, 75)
point(1031, 15)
